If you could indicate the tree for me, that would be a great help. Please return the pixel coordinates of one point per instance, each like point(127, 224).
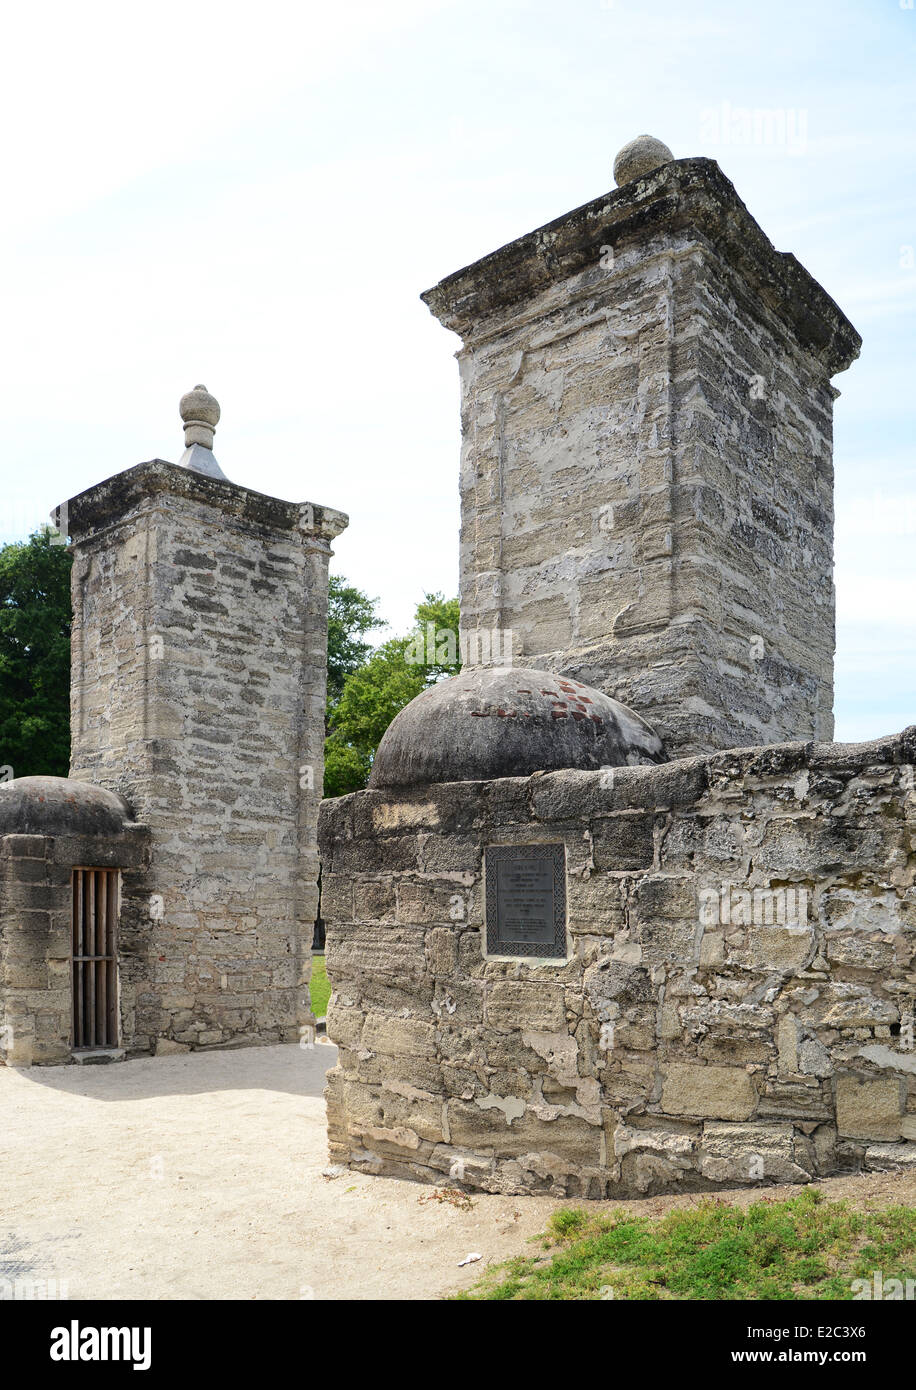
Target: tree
point(35, 657)
point(351, 614)
point(374, 693)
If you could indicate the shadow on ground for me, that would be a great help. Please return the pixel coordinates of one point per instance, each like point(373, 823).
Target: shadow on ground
point(298, 1071)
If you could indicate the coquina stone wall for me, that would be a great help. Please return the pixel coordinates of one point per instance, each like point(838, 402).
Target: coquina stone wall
point(198, 694)
point(737, 1002)
point(646, 469)
point(36, 916)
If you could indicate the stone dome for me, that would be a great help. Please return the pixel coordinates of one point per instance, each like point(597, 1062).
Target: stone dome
point(59, 806)
point(509, 722)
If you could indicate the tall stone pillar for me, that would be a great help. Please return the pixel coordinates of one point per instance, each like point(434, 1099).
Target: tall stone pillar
point(198, 690)
point(646, 470)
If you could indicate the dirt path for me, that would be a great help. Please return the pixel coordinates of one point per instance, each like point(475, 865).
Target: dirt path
point(200, 1176)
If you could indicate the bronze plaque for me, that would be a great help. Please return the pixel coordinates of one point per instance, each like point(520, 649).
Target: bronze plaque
point(526, 900)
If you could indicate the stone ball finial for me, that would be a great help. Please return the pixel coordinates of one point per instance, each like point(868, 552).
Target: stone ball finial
point(640, 157)
point(200, 413)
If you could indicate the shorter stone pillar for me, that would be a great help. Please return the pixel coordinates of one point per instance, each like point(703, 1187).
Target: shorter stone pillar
point(199, 656)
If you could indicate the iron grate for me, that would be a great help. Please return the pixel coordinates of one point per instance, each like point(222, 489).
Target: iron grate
point(95, 958)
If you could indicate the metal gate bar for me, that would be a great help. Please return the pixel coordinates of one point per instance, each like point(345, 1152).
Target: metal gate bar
point(95, 958)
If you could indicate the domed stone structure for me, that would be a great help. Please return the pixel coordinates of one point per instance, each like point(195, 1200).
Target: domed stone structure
point(73, 866)
point(509, 722)
point(60, 806)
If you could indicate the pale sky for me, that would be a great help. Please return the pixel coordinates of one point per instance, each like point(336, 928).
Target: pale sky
point(254, 196)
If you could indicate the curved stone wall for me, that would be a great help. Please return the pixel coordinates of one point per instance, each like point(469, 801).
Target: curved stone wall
point(736, 1006)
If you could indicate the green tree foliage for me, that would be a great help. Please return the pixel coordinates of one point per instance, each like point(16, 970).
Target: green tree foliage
point(375, 692)
point(351, 614)
point(35, 657)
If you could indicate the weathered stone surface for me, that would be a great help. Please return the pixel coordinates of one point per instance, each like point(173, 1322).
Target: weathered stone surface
point(198, 675)
point(87, 826)
point(600, 354)
point(34, 807)
point(676, 1019)
point(624, 842)
point(661, 895)
point(869, 1109)
point(534, 1005)
point(724, 1093)
point(882, 1157)
point(785, 949)
point(441, 950)
point(382, 1033)
point(742, 1153)
point(503, 722)
point(814, 1059)
point(639, 157)
point(509, 1131)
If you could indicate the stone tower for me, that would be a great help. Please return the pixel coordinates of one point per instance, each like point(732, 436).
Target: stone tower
point(646, 474)
point(198, 689)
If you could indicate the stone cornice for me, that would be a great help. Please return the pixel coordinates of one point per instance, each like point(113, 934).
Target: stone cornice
point(683, 195)
point(107, 502)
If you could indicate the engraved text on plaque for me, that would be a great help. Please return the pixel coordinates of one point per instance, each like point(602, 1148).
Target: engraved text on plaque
point(526, 900)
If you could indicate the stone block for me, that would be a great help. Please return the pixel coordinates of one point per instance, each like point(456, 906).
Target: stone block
point(428, 900)
point(662, 896)
point(783, 949)
point(25, 846)
point(344, 1026)
point(502, 1125)
point(379, 855)
point(869, 1108)
point(410, 1036)
point(534, 1005)
point(742, 1153)
point(336, 897)
point(624, 842)
point(441, 951)
point(723, 1093)
point(787, 1043)
point(595, 905)
point(712, 950)
point(374, 899)
point(863, 951)
point(440, 854)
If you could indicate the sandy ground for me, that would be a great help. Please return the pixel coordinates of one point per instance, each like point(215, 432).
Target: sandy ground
point(200, 1176)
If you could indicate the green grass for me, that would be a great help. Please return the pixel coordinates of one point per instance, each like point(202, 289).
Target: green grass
point(805, 1247)
point(320, 987)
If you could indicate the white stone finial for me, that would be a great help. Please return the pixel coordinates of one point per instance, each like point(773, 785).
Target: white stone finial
point(200, 413)
point(640, 157)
